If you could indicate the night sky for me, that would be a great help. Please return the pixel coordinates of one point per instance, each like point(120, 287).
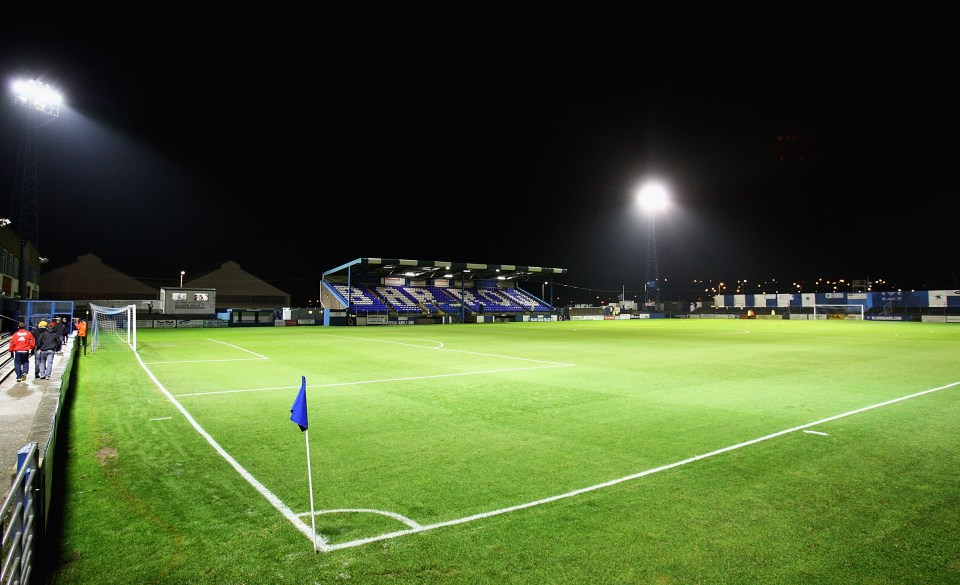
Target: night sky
point(797, 144)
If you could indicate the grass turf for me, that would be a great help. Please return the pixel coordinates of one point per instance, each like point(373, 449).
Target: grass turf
point(440, 423)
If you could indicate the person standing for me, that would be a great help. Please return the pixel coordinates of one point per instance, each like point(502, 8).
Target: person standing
point(22, 343)
point(60, 327)
point(41, 327)
point(81, 326)
point(48, 343)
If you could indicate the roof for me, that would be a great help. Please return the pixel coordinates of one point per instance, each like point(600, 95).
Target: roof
point(384, 267)
point(89, 278)
point(230, 279)
point(237, 288)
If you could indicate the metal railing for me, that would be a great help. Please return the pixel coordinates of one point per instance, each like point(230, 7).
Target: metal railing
point(19, 515)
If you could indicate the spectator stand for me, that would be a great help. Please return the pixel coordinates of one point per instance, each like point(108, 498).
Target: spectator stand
point(395, 291)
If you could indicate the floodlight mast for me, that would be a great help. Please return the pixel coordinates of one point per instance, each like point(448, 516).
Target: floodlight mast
point(652, 275)
point(652, 198)
point(41, 104)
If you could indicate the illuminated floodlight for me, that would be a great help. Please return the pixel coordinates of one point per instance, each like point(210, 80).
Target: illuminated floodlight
point(38, 96)
point(652, 197)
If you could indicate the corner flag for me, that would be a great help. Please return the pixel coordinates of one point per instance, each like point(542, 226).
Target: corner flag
point(298, 412)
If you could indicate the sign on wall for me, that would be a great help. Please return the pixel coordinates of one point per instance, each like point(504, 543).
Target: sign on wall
point(189, 301)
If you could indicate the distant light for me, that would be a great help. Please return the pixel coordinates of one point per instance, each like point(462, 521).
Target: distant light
point(652, 197)
point(37, 96)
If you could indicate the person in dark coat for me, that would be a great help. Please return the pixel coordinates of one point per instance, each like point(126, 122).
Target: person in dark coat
point(60, 328)
point(48, 343)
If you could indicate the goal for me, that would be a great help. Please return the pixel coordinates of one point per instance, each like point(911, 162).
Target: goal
point(113, 328)
point(838, 312)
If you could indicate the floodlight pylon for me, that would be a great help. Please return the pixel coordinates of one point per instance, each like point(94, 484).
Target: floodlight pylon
point(652, 284)
point(40, 104)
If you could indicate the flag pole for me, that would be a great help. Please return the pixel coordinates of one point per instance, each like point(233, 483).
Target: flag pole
point(313, 522)
point(298, 414)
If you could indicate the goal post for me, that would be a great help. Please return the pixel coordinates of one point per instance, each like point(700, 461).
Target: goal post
point(112, 328)
point(855, 312)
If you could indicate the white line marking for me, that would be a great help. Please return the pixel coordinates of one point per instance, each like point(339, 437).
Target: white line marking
point(394, 515)
point(440, 347)
point(325, 547)
point(270, 496)
point(817, 433)
point(162, 418)
point(382, 381)
point(209, 361)
point(391, 535)
point(238, 348)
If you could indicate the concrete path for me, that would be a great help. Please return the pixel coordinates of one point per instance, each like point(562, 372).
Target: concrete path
point(28, 411)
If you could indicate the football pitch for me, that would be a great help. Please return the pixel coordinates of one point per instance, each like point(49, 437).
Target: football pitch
point(644, 451)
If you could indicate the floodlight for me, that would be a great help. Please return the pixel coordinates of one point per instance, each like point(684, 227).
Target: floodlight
point(37, 96)
point(652, 197)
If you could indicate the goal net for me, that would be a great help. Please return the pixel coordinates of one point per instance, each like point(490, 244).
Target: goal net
point(112, 328)
point(838, 312)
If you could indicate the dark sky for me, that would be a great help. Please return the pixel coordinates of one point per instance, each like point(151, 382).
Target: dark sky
point(293, 143)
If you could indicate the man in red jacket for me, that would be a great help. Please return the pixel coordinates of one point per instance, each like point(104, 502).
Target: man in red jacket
point(21, 345)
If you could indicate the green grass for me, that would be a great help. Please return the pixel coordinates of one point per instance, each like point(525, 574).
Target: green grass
point(442, 423)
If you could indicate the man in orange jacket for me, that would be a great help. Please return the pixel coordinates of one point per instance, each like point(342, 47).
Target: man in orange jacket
point(21, 345)
point(81, 326)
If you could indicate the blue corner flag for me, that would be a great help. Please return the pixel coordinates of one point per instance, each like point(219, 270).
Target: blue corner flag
point(298, 412)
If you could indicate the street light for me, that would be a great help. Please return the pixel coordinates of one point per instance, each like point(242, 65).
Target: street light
point(182, 272)
point(653, 199)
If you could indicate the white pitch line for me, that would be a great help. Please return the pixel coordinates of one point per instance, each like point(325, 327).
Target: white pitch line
point(440, 347)
point(817, 433)
point(267, 494)
point(325, 547)
point(209, 361)
point(276, 502)
point(394, 515)
point(162, 418)
point(612, 482)
point(238, 348)
point(383, 381)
